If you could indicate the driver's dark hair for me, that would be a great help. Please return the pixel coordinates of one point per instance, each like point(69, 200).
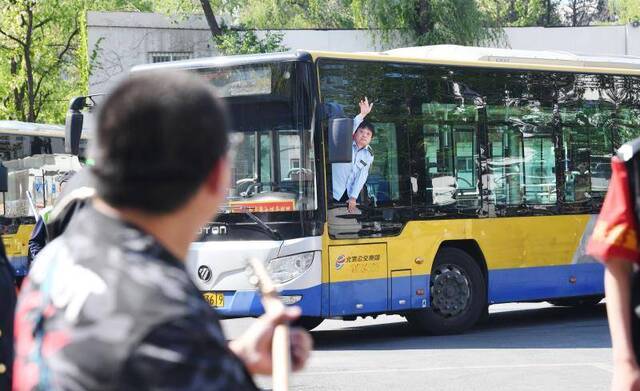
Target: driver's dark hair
point(158, 137)
point(367, 125)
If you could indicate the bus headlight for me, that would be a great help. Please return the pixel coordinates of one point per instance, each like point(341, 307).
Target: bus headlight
point(287, 268)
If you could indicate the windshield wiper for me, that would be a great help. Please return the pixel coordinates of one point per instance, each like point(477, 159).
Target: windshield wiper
point(272, 232)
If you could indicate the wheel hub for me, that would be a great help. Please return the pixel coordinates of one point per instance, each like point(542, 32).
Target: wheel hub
point(450, 291)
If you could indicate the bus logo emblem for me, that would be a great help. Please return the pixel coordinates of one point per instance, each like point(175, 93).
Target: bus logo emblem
point(340, 261)
point(204, 273)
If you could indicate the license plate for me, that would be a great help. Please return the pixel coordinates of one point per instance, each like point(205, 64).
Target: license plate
point(215, 299)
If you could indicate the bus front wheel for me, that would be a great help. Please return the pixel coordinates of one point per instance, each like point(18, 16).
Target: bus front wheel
point(458, 294)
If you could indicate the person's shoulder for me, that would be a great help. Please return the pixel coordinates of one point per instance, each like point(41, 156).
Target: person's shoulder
point(46, 260)
point(369, 152)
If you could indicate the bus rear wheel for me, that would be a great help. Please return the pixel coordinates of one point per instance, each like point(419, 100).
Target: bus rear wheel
point(458, 294)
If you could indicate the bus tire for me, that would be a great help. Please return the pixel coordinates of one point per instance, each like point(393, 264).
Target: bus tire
point(583, 301)
point(307, 322)
point(458, 295)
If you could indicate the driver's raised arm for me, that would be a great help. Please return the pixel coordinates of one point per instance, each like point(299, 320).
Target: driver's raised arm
point(365, 108)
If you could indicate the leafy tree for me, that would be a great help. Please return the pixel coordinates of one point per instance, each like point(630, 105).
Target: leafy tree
point(268, 14)
point(425, 22)
point(38, 40)
point(584, 12)
point(123, 5)
point(520, 13)
point(627, 11)
point(248, 42)
point(228, 41)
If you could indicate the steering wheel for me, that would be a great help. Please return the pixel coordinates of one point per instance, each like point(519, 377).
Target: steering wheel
point(252, 189)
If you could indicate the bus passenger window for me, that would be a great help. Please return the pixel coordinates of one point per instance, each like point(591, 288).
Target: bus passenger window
point(449, 139)
point(506, 164)
point(596, 120)
point(540, 163)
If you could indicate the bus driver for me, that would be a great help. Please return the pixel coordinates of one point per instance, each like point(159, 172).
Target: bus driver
point(349, 178)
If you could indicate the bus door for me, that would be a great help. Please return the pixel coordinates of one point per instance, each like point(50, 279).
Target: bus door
point(358, 279)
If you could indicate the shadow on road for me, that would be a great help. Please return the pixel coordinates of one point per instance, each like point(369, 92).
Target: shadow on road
point(544, 328)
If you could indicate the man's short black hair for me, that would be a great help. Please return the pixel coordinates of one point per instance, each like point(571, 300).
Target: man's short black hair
point(158, 137)
point(368, 125)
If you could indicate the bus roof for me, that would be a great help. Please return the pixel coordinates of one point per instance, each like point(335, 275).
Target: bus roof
point(499, 58)
point(32, 129)
point(224, 61)
point(437, 54)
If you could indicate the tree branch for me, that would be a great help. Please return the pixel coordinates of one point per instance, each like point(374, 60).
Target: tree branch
point(68, 45)
point(40, 24)
point(211, 18)
point(11, 37)
point(39, 82)
point(59, 60)
point(42, 99)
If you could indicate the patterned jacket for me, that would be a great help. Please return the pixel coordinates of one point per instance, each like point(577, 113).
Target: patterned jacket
point(106, 307)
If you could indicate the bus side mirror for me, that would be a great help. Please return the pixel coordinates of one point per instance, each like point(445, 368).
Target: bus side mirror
point(4, 179)
point(340, 140)
point(73, 125)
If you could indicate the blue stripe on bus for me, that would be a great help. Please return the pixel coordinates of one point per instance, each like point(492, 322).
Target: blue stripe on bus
point(247, 303)
point(531, 283)
point(377, 295)
point(385, 295)
point(358, 297)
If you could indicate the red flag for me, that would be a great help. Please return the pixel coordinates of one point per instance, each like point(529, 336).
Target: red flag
point(615, 235)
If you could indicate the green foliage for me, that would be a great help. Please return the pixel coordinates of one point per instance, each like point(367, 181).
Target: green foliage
point(247, 42)
point(259, 14)
point(40, 68)
point(521, 13)
point(426, 22)
point(269, 14)
point(122, 5)
point(83, 55)
point(627, 10)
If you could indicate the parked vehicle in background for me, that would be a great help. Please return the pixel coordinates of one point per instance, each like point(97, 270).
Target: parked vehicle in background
point(34, 158)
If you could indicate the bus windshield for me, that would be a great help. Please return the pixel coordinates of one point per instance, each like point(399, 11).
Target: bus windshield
point(268, 175)
point(273, 173)
point(273, 156)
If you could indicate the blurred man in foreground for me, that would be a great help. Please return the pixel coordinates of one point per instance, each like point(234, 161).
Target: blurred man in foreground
point(109, 305)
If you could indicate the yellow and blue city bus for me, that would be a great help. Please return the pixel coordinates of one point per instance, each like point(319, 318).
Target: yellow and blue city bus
point(490, 165)
point(33, 155)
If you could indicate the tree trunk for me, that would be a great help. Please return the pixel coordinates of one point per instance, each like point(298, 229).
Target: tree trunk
point(211, 18)
point(548, 20)
point(424, 22)
point(18, 91)
point(31, 99)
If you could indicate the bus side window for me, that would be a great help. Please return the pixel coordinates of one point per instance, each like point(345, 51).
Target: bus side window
point(506, 164)
point(540, 166)
point(449, 138)
point(596, 119)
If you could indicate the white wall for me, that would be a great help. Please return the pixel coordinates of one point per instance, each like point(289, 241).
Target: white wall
point(602, 40)
point(125, 39)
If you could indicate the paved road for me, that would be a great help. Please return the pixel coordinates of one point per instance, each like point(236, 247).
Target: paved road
point(521, 347)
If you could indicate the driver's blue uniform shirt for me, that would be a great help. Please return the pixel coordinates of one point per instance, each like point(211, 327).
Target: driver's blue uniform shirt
point(351, 177)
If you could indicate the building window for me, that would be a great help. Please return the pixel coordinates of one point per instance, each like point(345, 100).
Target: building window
point(168, 56)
